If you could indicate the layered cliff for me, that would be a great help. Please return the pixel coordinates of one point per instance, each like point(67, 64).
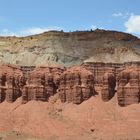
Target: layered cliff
point(128, 88)
point(69, 48)
point(42, 83)
point(75, 84)
point(11, 83)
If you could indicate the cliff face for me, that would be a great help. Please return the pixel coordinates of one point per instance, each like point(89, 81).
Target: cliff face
point(76, 85)
point(11, 83)
point(108, 83)
point(72, 85)
point(128, 86)
point(42, 83)
point(67, 49)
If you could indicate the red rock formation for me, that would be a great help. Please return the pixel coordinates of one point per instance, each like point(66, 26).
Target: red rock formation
point(99, 69)
point(2, 87)
point(42, 83)
point(76, 85)
point(108, 87)
point(10, 88)
point(128, 86)
point(13, 76)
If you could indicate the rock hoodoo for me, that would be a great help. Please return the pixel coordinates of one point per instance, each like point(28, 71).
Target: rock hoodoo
point(109, 83)
point(42, 83)
point(76, 85)
point(128, 89)
point(11, 83)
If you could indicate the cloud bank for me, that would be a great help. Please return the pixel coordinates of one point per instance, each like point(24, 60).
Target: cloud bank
point(132, 25)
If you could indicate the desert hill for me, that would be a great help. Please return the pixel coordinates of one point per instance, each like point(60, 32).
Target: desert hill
point(70, 48)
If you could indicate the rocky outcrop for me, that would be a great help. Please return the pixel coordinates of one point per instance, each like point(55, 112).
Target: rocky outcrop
point(99, 69)
point(14, 84)
point(76, 85)
point(11, 83)
point(128, 89)
point(42, 83)
point(108, 86)
point(2, 87)
point(124, 78)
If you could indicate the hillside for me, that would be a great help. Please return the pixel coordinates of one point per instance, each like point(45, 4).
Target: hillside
point(70, 48)
point(91, 120)
point(95, 100)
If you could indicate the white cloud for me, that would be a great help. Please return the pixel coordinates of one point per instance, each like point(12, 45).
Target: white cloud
point(28, 31)
point(6, 32)
point(93, 27)
point(132, 25)
point(38, 30)
point(122, 15)
point(119, 14)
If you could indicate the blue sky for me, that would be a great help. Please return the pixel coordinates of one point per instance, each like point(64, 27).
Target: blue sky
point(25, 17)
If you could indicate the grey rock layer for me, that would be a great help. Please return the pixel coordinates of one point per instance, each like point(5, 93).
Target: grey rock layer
point(68, 49)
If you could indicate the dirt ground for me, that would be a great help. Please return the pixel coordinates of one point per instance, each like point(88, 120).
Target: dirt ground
point(91, 120)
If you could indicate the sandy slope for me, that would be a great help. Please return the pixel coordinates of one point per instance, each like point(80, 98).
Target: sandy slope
point(56, 48)
point(93, 119)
